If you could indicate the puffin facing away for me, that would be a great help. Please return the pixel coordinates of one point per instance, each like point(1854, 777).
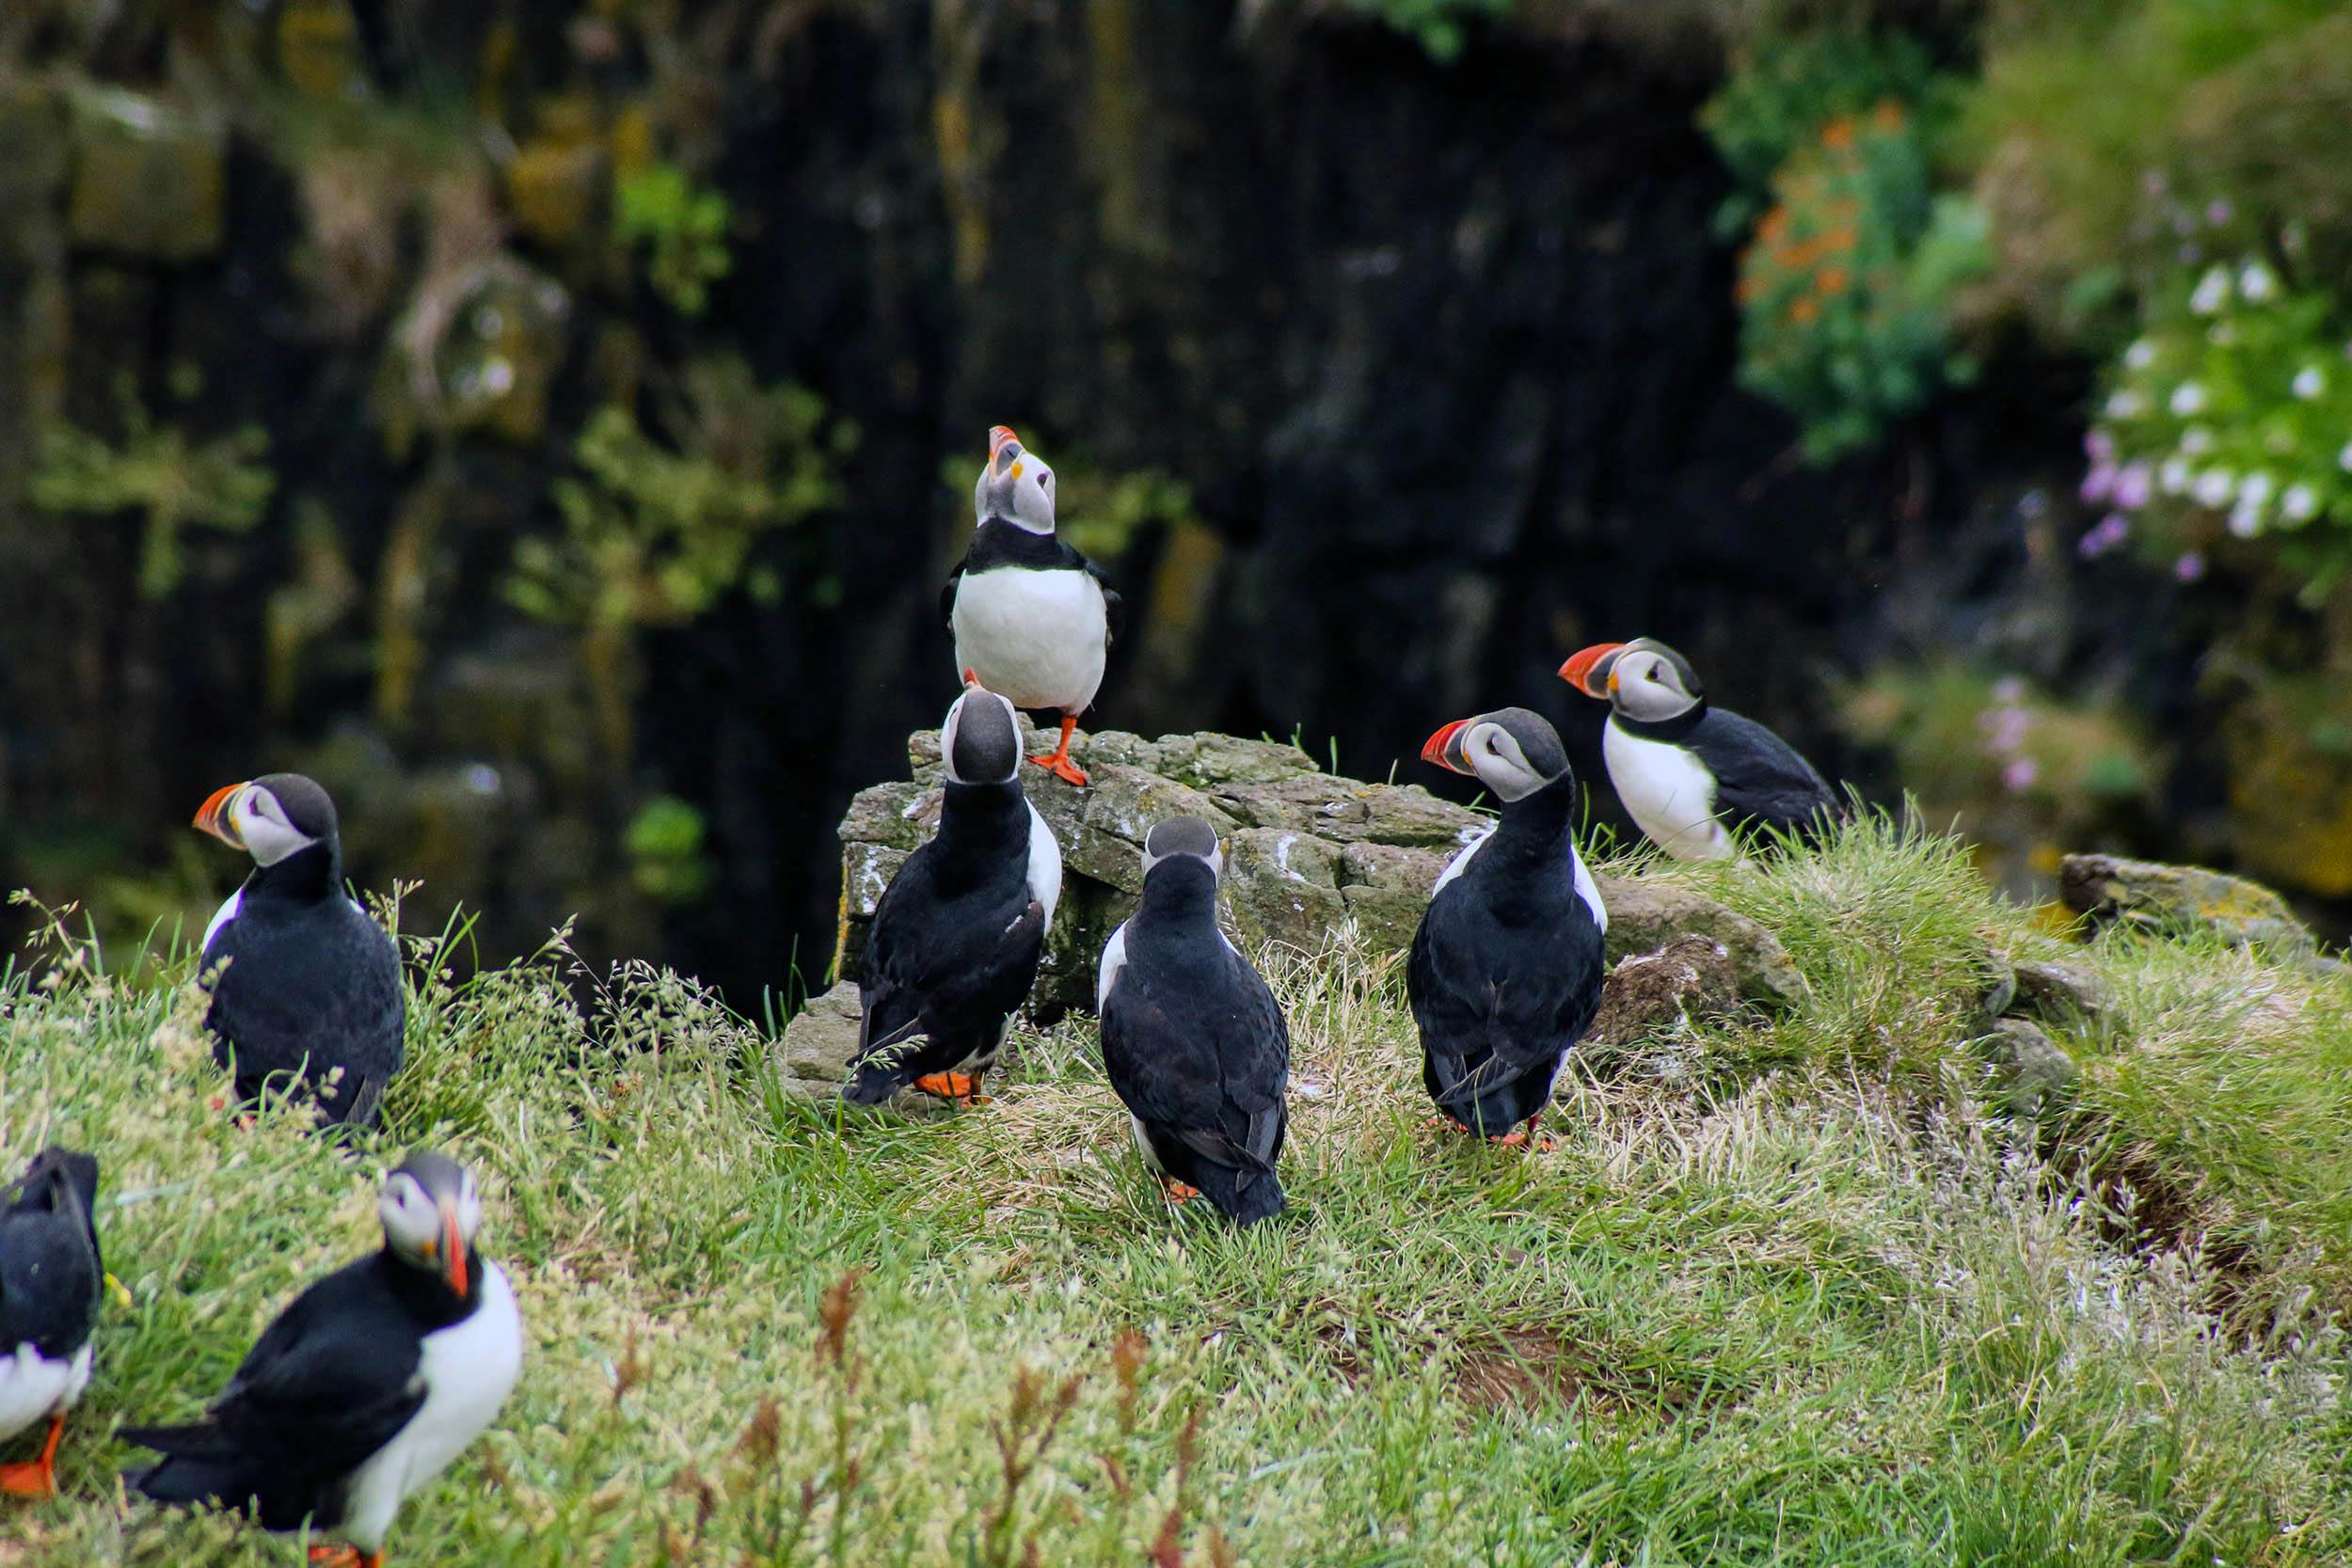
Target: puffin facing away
point(956, 939)
point(303, 984)
point(366, 1386)
point(1193, 1042)
point(1505, 971)
point(1690, 775)
point(1032, 618)
point(49, 1280)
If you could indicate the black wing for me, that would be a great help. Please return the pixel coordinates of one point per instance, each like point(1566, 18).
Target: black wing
point(1114, 607)
point(328, 1382)
point(48, 1263)
point(1495, 1004)
point(944, 967)
point(1207, 1064)
point(316, 995)
point(1759, 777)
point(948, 594)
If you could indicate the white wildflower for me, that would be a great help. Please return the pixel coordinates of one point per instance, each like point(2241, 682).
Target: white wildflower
point(2300, 503)
point(2215, 486)
point(2173, 479)
point(2344, 458)
point(2246, 521)
point(2310, 383)
point(2257, 282)
point(2197, 440)
point(2125, 405)
point(2213, 291)
point(2255, 489)
point(2188, 398)
point(2140, 355)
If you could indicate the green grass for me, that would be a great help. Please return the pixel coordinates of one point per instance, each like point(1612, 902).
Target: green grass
point(1795, 1298)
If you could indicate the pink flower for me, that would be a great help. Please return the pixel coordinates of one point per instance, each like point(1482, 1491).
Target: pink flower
point(2133, 487)
point(2098, 484)
point(2190, 567)
point(2020, 774)
point(2100, 447)
point(2109, 532)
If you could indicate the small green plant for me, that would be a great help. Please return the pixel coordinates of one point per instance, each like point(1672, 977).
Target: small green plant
point(159, 474)
point(1438, 25)
point(2228, 424)
point(665, 847)
point(1789, 86)
point(656, 531)
point(682, 229)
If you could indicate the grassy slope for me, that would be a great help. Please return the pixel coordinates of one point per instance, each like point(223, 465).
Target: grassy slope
point(1781, 1293)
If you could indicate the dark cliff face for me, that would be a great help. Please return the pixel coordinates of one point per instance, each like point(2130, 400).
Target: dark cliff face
point(1444, 354)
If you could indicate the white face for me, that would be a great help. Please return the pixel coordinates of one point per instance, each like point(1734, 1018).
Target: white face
point(1017, 485)
point(1495, 755)
point(260, 821)
point(412, 1221)
point(1645, 684)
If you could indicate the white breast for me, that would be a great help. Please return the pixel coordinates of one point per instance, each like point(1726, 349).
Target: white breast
point(33, 1387)
point(1036, 637)
point(467, 1369)
point(1106, 972)
point(221, 916)
point(1587, 888)
point(1045, 865)
point(1669, 792)
point(1460, 863)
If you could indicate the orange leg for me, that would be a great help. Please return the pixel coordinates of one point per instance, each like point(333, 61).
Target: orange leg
point(1524, 1137)
point(952, 1085)
point(345, 1556)
point(1177, 1191)
point(1057, 760)
point(36, 1478)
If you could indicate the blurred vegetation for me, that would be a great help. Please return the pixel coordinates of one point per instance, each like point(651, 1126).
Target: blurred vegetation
point(1439, 27)
point(681, 229)
point(158, 474)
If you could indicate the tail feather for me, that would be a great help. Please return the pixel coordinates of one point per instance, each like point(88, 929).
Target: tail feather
point(1244, 1196)
point(200, 1464)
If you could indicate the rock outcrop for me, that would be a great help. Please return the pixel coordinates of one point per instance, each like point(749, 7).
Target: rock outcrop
point(2169, 898)
point(1306, 852)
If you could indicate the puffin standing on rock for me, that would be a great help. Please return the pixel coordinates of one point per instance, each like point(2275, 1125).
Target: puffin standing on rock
point(303, 984)
point(1690, 774)
point(1194, 1043)
point(956, 939)
point(366, 1386)
point(50, 1275)
point(1505, 971)
point(1032, 618)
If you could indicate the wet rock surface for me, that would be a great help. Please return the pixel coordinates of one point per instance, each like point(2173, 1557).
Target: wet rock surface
point(1306, 852)
point(2165, 898)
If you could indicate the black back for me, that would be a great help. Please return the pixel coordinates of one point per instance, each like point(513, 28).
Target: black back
point(954, 946)
point(50, 1268)
point(329, 1382)
point(306, 984)
point(997, 543)
point(1196, 1046)
point(1761, 780)
point(1505, 971)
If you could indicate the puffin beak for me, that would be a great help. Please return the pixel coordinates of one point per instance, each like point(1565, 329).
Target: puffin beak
point(213, 815)
point(1444, 747)
point(452, 1249)
point(1001, 441)
point(1588, 665)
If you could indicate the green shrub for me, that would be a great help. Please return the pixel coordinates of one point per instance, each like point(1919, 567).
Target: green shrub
point(1779, 98)
point(1846, 288)
point(683, 230)
point(1436, 26)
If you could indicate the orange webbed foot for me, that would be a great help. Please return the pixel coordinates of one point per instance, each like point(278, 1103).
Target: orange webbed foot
point(345, 1557)
point(1177, 1191)
point(1062, 768)
point(34, 1478)
point(951, 1085)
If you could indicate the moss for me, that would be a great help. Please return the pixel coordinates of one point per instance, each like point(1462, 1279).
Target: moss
point(318, 49)
point(149, 177)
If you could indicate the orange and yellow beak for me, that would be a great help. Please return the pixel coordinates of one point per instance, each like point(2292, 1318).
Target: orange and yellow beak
point(1445, 748)
point(999, 437)
point(214, 817)
point(1587, 668)
point(453, 1250)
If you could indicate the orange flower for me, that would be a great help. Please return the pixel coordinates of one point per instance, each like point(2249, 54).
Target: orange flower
point(1838, 135)
point(1804, 312)
point(1839, 239)
point(1888, 115)
point(1745, 290)
point(1831, 282)
point(1775, 223)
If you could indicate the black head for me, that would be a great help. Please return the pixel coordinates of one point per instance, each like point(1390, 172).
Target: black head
point(270, 818)
point(1182, 836)
point(981, 738)
point(1650, 682)
point(431, 1209)
point(1512, 751)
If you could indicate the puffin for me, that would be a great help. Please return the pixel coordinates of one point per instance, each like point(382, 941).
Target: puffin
point(304, 985)
point(1033, 619)
point(372, 1380)
point(1504, 974)
point(1193, 1042)
point(955, 942)
point(1692, 776)
point(50, 1275)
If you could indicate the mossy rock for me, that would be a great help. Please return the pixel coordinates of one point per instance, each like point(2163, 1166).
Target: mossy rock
point(150, 178)
point(2156, 896)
